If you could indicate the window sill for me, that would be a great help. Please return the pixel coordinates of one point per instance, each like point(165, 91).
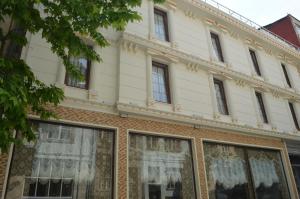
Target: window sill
point(165, 43)
point(163, 106)
point(254, 75)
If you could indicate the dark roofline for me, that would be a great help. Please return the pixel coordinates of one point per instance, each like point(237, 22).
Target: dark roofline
point(277, 21)
point(291, 17)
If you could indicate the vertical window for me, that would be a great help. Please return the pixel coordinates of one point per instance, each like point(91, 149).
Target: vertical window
point(217, 50)
point(65, 162)
point(221, 97)
point(239, 172)
point(160, 82)
point(287, 79)
point(294, 115)
point(261, 106)
point(83, 65)
point(295, 162)
point(255, 62)
point(161, 25)
point(162, 172)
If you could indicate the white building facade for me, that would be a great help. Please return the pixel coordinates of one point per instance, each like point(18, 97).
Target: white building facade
point(190, 102)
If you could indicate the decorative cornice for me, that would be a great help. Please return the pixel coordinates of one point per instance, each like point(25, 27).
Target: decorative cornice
point(200, 121)
point(267, 37)
point(194, 63)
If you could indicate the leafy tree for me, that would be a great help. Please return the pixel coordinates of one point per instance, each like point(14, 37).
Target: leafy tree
point(59, 22)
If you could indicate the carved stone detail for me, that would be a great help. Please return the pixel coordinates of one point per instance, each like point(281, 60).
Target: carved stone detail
point(129, 46)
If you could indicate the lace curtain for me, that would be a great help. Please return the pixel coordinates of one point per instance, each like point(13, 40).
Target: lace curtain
point(229, 175)
point(158, 170)
point(64, 163)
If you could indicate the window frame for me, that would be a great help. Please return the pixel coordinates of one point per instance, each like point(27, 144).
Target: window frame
point(216, 37)
point(220, 83)
point(111, 130)
point(165, 68)
point(254, 61)
point(87, 76)
point(262, 107)
point(164, 15)
point(190, 140)
point(246, 148)
point(286, 75)
point(294, 115)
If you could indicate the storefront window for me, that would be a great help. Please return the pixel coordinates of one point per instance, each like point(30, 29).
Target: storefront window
point(65, 162)
point(160, 170)
point(238, 172)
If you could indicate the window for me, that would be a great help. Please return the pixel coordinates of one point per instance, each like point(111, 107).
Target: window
point(217, 50)
point(221, 97)
point(161, 25)
point(261, 106)
point(83, 65)
point(295, 162)
point(80, 168)
point(294, 115)
point(160, 82)
point(287, 79)
point(255, 62)
point(240, 172)
point(161, 173)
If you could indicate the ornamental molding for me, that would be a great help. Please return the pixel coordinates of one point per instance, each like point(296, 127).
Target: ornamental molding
point(195, 63)
point(190, 14)
point(216, 24)
point(266, 37)
point(199, 121)
point(240, 82)
point(129, 46)
point(171, 4)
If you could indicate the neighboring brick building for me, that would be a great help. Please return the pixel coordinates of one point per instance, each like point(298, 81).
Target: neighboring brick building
point(288, 28)
point(188, 103)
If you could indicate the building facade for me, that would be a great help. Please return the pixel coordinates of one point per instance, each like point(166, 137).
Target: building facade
point(188, 103)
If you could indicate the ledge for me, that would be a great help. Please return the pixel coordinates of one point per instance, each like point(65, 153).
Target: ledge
point(128, 109)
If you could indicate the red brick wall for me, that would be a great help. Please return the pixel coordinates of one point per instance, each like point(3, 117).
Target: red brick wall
point(124, 124)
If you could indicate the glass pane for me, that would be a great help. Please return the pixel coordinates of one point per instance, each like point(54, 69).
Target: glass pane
point(158, 170)
point(268, 175)
point(74, 164)
point(159, 27)
point(82, 64)
point(220, 100)
point(159, 84)
point(226, 171)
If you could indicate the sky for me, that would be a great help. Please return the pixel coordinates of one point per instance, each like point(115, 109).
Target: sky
point(264, 12)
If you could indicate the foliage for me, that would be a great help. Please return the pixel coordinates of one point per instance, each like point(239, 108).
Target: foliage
point(60, 23)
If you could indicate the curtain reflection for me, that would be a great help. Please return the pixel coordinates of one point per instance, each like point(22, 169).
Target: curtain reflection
point(226, 172)
point(230, 171)
point(66, 162)
point(160, 168)
point(267, 172)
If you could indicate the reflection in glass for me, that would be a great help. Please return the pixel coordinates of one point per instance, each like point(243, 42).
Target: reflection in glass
point(267, 172)
point(226, 172)
point(239, 172)
point(66, 162)
point(160, 168)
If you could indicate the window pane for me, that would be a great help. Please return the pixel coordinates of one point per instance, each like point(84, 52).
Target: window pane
point(160, 19)
point(295, 161)
point(221, 98)
point(73, 164)
point(159, 83)
point(261, 106)
point(268, 175)
point(255, 62)
point(226, 172)
point(158, 170)
point(217, 51)
point(83, 66)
